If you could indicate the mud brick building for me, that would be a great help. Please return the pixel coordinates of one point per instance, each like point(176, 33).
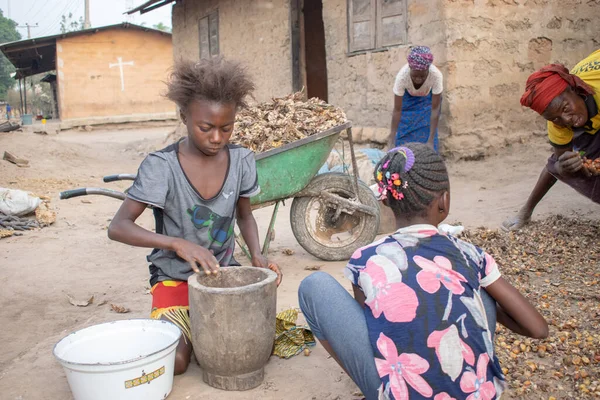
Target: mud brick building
point(101, 75)
point(349, 51)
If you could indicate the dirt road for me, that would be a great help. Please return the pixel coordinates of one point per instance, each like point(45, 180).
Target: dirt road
point(74, 256)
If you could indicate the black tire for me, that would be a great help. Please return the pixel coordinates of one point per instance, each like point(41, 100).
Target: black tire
point(317, 240)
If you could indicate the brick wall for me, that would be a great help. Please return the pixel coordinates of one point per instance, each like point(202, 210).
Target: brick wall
point(492, 47)
point(88, 87)
point(362, 84)
point(256, 33)
point(485, 48)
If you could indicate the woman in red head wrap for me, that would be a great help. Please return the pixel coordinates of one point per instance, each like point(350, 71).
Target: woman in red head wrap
point(570, 102)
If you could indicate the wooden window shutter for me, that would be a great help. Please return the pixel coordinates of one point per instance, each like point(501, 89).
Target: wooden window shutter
point(391, 22)
point(208, 31)
point(361, 24)
point(203, 36)
point(213, 31)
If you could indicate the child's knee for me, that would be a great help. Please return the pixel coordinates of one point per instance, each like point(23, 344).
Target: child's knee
point(314, 284)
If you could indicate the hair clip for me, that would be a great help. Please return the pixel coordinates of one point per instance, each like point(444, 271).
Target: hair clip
point(409, 156)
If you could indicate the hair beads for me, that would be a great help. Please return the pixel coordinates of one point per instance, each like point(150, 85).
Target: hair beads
point(410, 176)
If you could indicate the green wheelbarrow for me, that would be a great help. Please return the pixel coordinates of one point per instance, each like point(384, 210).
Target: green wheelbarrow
point(332, 214)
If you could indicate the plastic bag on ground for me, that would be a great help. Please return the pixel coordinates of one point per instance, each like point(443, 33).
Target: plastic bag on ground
point(17, 202)
point(453, 230)
point(366, 159)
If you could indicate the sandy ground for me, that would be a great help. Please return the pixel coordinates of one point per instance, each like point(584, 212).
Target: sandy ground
point(74, 256)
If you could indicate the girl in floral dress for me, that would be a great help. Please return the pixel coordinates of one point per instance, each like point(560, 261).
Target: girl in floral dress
point(422, 321)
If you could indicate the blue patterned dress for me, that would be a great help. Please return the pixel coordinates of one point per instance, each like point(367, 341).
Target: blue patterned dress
point(425, 316)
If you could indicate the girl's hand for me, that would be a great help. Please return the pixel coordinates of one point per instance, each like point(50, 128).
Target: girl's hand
point(392, 141)
point(260, 261)
point(569, 163)
point(431, 144)
point(275, 268)
point(194, 255)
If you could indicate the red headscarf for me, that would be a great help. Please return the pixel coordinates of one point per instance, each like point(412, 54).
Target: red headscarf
point(547, 83)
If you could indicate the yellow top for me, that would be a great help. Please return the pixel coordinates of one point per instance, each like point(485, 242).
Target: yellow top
point(589, 71)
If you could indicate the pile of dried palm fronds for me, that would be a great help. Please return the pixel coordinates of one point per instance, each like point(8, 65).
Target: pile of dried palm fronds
point(268, 125)
point(284, 120)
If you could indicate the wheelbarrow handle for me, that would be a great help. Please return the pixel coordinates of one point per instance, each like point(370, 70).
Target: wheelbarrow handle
point(119, 177)
point(68, 194)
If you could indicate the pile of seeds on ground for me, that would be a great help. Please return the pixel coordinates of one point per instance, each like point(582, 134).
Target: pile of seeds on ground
point(555, 263)
point(284, 120)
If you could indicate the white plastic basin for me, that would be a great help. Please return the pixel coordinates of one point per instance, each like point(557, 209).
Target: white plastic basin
point(130, 360)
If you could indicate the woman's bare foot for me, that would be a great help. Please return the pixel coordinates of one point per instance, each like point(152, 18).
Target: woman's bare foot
point(518, 221)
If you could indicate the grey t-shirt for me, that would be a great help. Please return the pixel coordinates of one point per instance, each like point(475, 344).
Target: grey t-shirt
point(181, 212)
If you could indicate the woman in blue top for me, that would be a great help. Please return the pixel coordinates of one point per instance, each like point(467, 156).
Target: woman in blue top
point(421, 323)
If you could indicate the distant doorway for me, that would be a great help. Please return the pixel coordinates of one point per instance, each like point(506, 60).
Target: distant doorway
point(315, 57)
point(309, 58)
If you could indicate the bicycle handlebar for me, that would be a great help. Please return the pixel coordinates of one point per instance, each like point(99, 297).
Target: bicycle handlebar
point(69, 194)
point(119, 177)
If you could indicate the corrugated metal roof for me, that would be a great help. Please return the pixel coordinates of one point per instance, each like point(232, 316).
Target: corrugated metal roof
point(36, 55)
point(81, 32)
point(149, 6)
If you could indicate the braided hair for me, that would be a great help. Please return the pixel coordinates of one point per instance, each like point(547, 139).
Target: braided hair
point(411, 176)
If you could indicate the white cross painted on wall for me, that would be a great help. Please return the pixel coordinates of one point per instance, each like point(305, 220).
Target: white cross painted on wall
point(120, 64)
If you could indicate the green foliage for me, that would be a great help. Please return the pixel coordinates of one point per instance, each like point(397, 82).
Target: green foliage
point(68, 24)
point(8, 33)
point(162, 27)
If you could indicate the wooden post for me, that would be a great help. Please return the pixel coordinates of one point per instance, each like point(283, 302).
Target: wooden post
point(25, 93)
point(86, 22)
point(20, 96)
point(295, 10)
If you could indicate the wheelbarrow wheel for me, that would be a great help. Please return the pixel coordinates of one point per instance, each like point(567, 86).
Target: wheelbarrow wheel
point(326, 233)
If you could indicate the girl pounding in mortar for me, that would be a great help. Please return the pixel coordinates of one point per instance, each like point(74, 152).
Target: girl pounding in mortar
point(198, 188)
point(422, 321)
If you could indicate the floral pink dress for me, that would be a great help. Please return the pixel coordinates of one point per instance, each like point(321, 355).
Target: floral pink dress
point(426, 320)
